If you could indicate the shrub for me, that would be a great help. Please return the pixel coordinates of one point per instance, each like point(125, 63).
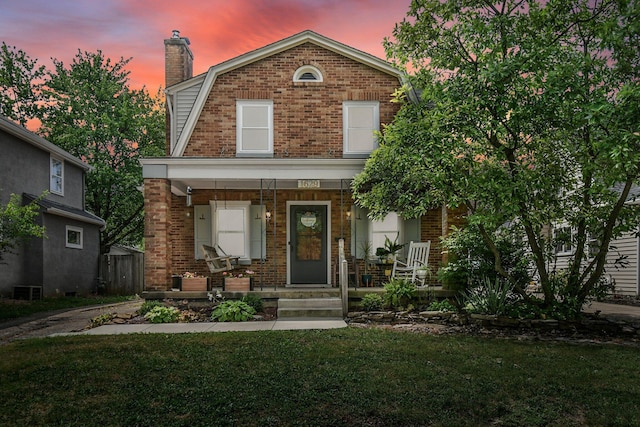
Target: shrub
point(493, 297)
point(147, 306)
point(162, 314)
point(233, 311)
point(398, 292)
point(372, 302)
point(254, 301)
point(443, 305)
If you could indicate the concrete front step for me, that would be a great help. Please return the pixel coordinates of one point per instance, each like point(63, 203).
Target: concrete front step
point(309, 307)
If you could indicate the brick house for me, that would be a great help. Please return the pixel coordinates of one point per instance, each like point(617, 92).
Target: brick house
point(261, 150)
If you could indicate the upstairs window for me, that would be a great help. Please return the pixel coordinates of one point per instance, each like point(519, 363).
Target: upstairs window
point(307, 73)
point(360, 121)
point(254, 127)
point(56, 185)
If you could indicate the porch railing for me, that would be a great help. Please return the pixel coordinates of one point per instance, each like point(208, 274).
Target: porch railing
point(343, 278)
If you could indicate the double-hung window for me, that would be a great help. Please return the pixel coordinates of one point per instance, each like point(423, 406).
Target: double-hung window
point(56, 185)
point(254, 128)
point(360, 121)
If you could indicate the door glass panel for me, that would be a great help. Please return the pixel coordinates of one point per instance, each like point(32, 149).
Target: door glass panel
point(309, 229)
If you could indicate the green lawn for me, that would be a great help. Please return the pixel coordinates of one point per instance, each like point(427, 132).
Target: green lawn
point(350, 377)
point(12, 309)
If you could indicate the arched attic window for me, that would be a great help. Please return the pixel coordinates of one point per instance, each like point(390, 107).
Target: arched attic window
point(307, 73)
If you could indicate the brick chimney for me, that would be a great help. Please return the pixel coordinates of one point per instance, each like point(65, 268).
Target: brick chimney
point(178, 59)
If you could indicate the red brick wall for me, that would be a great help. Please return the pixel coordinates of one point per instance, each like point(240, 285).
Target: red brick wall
point(182, 230)
point(307, 116)
point(157, 225)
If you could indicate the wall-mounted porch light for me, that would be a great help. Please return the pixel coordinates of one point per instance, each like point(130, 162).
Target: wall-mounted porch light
point(188, 196)
point(267, 216)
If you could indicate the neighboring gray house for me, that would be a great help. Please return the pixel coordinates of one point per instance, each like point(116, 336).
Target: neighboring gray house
point(66, 261)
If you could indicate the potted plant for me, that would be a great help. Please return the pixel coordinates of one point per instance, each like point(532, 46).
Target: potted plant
point(193, 282)
point(237, 282)
point(366, 277)
point(392, 248)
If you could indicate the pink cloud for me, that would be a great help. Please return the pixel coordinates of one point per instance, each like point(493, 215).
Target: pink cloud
point(218, 29)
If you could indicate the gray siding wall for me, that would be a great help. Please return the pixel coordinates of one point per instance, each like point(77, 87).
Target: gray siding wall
point(25, 168)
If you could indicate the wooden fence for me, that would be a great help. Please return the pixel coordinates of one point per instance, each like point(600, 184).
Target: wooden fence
point(122, 274)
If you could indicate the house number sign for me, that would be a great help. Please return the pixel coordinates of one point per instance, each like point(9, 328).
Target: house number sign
point(308, 183)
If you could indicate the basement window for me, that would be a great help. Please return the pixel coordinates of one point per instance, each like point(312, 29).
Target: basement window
point(307, 73)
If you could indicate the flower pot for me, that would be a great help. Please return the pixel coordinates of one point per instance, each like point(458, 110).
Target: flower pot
point(237, 284)
point(367, 280)
point(195, 284)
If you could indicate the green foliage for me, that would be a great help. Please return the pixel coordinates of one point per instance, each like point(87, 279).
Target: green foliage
point(93, 113)
point(525, 115)
point(162, 314)
point(399, 292)
point(471, 261)
point(372, 302)
point(19, 84)
point(254, 301)
point(17, 224)
point(147, 306)
point(102, 319)
point(493, 297)
point(442, 305)
point(233, 311)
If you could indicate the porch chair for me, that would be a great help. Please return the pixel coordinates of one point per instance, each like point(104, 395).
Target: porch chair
point(217, 260)
point(417, 256)
point(353, 271)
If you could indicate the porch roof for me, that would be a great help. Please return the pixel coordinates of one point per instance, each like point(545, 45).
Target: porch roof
point(248, 173)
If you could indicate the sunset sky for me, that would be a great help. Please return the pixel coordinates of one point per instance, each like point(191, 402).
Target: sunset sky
point(218, 29)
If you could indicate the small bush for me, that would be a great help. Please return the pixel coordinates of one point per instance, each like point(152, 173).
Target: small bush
point(398, 292)
point(443, 305)
point(493, 297)
point(254, 301)
point(372, 302)
point(233, 311)
point(147, 306)
point(161, 314)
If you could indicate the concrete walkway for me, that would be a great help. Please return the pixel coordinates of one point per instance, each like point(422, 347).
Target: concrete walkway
point(181, 328)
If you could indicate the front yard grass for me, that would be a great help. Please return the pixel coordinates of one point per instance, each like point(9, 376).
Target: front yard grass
point(322, 378)
point(13, 309)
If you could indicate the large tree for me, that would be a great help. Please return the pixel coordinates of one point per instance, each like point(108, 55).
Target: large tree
point(20, 77)
point(92, 112)
point(526, 113)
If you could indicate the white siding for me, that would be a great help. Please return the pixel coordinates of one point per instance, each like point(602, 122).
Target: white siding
point(626, 278)
point(184, 104)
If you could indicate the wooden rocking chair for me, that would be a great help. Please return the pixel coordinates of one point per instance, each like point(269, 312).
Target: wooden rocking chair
point(217, 260)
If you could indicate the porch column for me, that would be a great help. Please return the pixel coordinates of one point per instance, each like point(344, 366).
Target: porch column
point(157, 221)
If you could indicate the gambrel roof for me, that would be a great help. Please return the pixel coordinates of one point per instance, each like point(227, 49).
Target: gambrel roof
point(186, 99)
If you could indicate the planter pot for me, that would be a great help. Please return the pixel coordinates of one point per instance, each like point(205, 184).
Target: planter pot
point(367, 280)
point(195, 284)
point(237, 284)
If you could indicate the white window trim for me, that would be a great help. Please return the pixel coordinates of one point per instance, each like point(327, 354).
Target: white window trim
point(51, 176)
point(240, 104)
point(78, 230)
point(307, 69)
point(346, 105)
point(567, 248)
point(235, 204)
